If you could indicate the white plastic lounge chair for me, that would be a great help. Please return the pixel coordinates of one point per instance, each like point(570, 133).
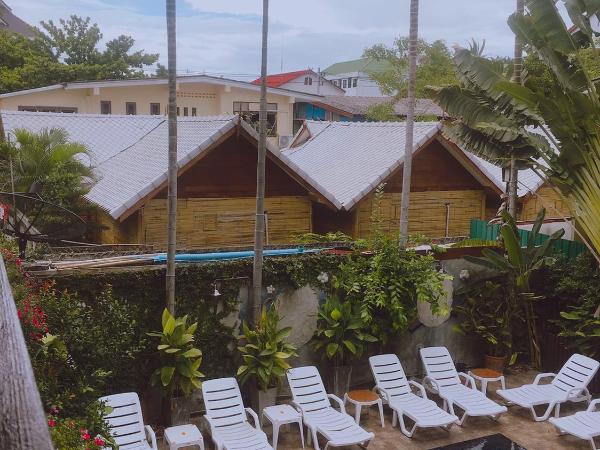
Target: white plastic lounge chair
point(584, 424)
point(126, 423)
point(395, 390)
point(311, 400)
point(443, 380)
point(227, 417)
point(570, 384)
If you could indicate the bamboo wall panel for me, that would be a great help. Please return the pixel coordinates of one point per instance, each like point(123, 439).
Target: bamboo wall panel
point(213, 222)
point(556, 207)
point(427, 214)
point(112, 232)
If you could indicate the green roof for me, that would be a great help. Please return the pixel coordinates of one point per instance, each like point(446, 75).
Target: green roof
point(368, 65)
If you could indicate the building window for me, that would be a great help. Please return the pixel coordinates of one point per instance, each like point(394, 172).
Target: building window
point(178, 110)
point(354, 82)
point(56, 109)
point(194, 112)
point(130, 108)
point(105, 107)
point(344, 83)
point(185, 111)
point(308, 81)
point(349, 82)
point(155, 109)
point(250, 110)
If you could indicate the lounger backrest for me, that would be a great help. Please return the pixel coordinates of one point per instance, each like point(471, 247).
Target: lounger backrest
point(439, 366)
point(389, 375)
point(578, 371)
point(223, 402)
point(125, 420)
point(307, 388)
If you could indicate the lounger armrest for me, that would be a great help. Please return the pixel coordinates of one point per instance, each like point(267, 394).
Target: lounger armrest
point(338, 401)
point(419, 386)
point(576, 390)
point(435, 386)
point(593, 405)
point(150, 437)
point(251, 412)
point(469, 379)
point(385, 395)
point(539, 376)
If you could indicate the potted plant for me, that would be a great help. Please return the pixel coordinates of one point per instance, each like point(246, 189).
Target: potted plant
point(486, 313)
point(178, 374)
point(341, 335)
point(265, 353)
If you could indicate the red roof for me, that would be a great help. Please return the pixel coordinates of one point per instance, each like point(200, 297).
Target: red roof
point(280, 79)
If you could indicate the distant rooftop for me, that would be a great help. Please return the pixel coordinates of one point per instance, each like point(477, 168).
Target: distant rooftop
point(279, 79)
point(359, 106)
point(10, 22)
point(368, 65)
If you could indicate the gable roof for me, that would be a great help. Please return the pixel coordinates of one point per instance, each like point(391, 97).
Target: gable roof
point(350, 159)
point(129, 153)
point(279, 79)
point(357, 65)
point(359, 105)
point(10, 22)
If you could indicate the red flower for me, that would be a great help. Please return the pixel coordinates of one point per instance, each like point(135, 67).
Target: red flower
point(99, 442)
point(18, 262)
point(85, 437)
point(51, 423)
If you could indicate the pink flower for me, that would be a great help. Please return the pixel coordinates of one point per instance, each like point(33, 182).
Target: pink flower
point(54, 410)
point(98, 441)
point(51, 423)
point(85, 437)
point(18, 262)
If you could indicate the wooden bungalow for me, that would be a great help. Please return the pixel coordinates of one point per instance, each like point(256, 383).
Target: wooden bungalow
point(449, 186)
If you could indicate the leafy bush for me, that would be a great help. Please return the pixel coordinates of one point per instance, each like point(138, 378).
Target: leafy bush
point(265, 351)
point(180, 359)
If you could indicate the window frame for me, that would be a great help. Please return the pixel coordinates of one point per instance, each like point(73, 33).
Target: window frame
point(157, 106)
point(104, 103)
point(128, 105)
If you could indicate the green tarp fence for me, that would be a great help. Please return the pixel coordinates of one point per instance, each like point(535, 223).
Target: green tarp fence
point(480, 229)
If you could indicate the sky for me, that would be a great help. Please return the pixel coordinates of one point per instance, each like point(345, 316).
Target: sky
point(223, 37)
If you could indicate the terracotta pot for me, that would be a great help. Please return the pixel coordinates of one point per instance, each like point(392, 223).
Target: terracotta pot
point(497, 363)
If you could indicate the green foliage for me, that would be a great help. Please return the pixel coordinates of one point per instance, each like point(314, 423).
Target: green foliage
point(315, 238)
point(486, 313)
point(581, 324)
point(67, 51)
point(180, 359)
point(434, 68)
point(265, 351)
point(467, 243)
point(341, 332)
point(77, 434)
point(383, 112)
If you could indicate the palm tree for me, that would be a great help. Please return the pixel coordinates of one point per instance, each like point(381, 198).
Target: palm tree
point(553, 129)
point(35, 158)
point(259, 230)
point(172, 169)
point(410, 120)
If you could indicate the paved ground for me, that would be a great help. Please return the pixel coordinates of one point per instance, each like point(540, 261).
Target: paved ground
point(517, 425)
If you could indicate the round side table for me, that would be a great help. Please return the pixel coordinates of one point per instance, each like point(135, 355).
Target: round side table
point(281, 415)
point(183, 436)
point(362, 398)
point(486, 376)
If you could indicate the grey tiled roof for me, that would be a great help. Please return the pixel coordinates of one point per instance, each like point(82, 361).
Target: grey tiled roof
point(10, 22)
point(358, 105)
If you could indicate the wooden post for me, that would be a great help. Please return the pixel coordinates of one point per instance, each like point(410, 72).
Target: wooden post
point(23, 423)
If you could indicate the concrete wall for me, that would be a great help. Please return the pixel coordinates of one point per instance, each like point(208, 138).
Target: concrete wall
point(326, 88)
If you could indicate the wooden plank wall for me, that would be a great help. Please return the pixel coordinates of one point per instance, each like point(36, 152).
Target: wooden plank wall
point(112, 232)
point(546, 197)
point(213, 222)
point(427, 213)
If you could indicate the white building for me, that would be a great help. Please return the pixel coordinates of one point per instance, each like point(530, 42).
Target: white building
point(354, 76)
point(307, 81)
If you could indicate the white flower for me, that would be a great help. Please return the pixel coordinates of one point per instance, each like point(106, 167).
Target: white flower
point(323, 277)
point(270, 289)
point(464, 275)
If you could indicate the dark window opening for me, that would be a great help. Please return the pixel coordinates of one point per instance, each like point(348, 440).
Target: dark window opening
point(155, 109)
point(185, 111)
point(130, 108)
point(105, 107)
point(55, 109)
point(194, 112)
point(250, 111)
point(354, 82)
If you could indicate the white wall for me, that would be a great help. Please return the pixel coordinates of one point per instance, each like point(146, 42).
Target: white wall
point(551, 227)
point(298, 84)
point(365, 86)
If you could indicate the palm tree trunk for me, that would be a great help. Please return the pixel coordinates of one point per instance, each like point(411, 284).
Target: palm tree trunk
point(516, 78)
point(172, 170)
point(410, 120)
point(259, 230)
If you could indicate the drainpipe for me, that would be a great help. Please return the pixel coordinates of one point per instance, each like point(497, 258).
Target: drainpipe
point(447, 205)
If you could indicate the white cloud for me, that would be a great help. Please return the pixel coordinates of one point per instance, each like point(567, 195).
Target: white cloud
point(223, 36)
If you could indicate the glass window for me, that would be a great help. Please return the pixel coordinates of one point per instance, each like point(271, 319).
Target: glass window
point(354, 82)
point(344, 83)
point(155, 109)
point(130, 108)
point(194, 112)
point(105, 107)
point(310, 81)
point(185, 111)
point(305, 81)
point(349, 82)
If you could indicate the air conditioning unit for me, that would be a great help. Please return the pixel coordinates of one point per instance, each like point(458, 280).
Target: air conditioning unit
point(285, 140)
